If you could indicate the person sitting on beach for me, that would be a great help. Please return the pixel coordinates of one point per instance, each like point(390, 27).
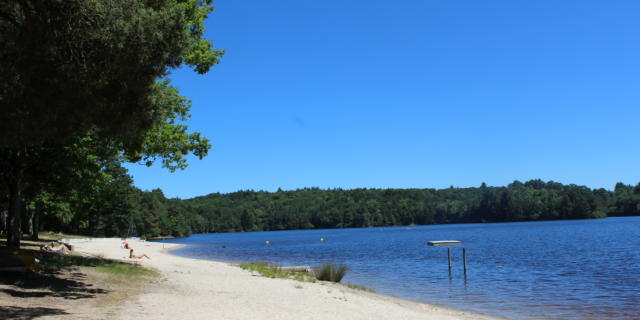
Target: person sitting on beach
point(61, 249)
point(132, 256)
point(126, 245)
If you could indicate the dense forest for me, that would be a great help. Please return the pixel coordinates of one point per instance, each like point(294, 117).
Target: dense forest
point(114, 207)
point(84, 87)
point(315, 208)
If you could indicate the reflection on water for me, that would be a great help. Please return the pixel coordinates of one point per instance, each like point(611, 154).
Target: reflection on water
point(578, 269)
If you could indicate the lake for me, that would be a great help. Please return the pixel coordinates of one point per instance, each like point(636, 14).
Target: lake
point(570, 269)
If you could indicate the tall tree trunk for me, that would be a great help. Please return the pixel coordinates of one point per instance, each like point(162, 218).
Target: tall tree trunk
point(3, 221)
point(14, 230)
point(27, 221)
point(35, 221)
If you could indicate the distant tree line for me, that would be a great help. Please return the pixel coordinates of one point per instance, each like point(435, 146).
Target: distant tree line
point(313, 208)
point(112, 206)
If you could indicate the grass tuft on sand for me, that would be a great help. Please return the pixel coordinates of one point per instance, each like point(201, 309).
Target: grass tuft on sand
point(359, 287)
point(330, 272)
point(326, 272)
point(271, 271)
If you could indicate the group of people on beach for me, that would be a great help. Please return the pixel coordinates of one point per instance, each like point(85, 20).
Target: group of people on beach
point(63, 249)
point(132, 255)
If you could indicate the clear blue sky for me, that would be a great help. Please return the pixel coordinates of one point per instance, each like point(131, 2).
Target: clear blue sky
point(413, 94)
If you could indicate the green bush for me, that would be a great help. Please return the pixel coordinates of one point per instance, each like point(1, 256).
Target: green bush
point(330, 272)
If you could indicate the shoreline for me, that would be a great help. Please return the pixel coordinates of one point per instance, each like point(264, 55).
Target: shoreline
point(203, 289)
point(386, 296)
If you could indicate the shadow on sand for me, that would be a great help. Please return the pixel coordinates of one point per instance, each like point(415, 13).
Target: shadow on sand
point(29, 313)
point(34, 285)
point(60, 278)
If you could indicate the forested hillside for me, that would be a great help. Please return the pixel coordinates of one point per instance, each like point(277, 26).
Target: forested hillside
point(112, 206)
point(316, 208)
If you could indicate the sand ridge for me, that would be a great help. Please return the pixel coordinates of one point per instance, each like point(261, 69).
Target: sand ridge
point(202, 289)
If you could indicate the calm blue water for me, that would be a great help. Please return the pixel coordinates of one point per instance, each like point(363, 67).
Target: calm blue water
point(578, 269)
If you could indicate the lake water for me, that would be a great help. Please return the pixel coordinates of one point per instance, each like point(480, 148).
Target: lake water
point(576, 269)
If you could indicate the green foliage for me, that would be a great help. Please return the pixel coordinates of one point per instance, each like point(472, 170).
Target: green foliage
point(126, 269)
point(169, 139)
point(76, 67)
point(266, 270)
point(271, 271)
point(330, 272)
point(84, 83)
point(312, 208)
point(111, 206)
point(118, 209)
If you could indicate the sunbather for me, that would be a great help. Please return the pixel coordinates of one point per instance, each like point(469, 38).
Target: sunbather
point(131, 255)
point(61, 249)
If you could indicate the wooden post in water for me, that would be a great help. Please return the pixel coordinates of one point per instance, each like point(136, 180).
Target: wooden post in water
point(464, 259)
point(446, 243)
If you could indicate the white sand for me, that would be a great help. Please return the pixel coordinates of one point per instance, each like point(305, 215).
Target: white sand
point(200, 289)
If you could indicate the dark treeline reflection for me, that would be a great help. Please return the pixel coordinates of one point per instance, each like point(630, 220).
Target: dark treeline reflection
point(117, 208)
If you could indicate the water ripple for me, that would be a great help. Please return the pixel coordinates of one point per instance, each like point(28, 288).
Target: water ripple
point(578, 269)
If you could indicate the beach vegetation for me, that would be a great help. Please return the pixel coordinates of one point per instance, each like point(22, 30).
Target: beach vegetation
point(330, 272)
point(359, 287)
point(54, 263)
point(266, 270)
point(303, 276)
point(56, 236)
point(275, 271)
point(126, 269)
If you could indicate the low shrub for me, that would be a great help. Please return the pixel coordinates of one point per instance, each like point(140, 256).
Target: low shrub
point(330, 272)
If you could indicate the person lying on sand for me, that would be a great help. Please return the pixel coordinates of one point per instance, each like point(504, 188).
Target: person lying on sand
point(61, 249)
point(131, 255)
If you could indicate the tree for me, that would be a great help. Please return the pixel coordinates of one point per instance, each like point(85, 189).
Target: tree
point(93, 72)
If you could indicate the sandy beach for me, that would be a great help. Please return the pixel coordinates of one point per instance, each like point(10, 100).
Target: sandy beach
point(201, 289)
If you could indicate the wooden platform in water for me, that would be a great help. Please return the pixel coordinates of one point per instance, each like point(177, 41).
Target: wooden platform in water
point(444, 243)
